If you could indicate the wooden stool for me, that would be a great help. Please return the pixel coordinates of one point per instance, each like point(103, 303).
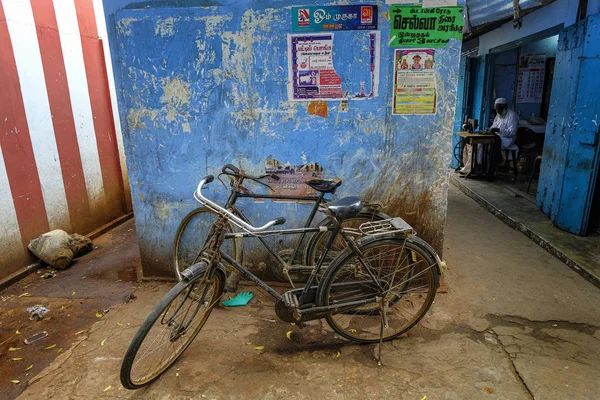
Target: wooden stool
point(514, 160)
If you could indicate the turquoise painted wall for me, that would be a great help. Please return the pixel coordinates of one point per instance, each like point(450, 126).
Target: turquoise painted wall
point(201, 86)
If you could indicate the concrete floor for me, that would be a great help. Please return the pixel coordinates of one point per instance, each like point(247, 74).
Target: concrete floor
point(515, 324)
point(519, 210)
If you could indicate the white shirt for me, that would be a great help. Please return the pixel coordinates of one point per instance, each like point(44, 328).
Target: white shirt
point(508, 125)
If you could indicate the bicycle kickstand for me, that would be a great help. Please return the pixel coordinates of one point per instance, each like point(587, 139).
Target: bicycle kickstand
point(383, 324)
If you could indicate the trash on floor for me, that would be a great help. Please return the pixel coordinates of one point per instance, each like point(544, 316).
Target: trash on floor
point(49, 274)
point(102, 313)
point(242, 299)
point(37, 312)
point(81, 245)
point(57, 248)
point(36, 337)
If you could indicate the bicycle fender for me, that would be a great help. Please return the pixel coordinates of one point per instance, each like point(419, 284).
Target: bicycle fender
point(441, 265)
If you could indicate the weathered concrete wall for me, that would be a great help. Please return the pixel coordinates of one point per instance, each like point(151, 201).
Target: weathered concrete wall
point(203, 86)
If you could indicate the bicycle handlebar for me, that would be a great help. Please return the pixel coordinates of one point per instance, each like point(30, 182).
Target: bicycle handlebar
point(235, 170)
point(232, 170)
point(232, 217)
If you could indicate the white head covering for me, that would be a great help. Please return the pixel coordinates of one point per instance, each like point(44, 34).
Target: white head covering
point(501, 100)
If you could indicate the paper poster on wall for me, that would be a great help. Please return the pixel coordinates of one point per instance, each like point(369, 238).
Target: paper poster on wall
point(415, 26)
point(414, 82)
point(292, 178)
point(312, 73)
point(532, 73)
point(334, 18)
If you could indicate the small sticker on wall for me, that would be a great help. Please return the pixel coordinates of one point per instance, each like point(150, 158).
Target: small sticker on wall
point(318, 107)
point(344, 106)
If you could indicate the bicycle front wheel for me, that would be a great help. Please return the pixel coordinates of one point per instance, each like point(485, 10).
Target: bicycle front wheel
point(406, 283)
point(193, 236)
point(170, 329)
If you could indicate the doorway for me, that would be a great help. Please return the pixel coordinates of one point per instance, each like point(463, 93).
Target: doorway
point(524, 75)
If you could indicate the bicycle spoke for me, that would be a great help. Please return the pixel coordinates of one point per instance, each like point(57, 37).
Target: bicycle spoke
point(173, 329)
point(404, 281)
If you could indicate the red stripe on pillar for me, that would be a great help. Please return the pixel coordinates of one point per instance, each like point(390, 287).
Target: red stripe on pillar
point(17, 150)
point(95, 68)
point(62, 113)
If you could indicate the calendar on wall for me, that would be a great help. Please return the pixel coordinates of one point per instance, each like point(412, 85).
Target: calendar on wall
point(532, 73)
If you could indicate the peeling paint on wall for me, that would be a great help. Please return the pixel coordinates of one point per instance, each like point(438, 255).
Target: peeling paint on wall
point(212, 90)
point(123, 25)
point(164, 27)
point(176, 97)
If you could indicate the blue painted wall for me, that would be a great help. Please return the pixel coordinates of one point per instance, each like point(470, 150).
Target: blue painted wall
point(199, 87)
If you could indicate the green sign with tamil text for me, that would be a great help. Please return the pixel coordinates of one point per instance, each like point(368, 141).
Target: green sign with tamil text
point(414, 26)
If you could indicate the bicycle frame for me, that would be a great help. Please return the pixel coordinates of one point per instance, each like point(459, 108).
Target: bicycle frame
point(220, 236)
point(315, 312)
point(237, 193)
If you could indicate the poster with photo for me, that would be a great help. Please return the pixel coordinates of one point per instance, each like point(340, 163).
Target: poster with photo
point(312, 73)
point(532, 75)
point(292, 178)
point(414, 82)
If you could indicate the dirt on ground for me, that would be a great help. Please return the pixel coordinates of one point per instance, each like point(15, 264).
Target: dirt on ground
point(75, 299)
point(515, 324)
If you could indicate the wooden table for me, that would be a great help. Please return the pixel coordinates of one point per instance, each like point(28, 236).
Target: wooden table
point(487, 141)
point(477, 138)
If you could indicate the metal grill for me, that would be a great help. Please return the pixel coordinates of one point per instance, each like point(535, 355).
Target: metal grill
point(394, 225)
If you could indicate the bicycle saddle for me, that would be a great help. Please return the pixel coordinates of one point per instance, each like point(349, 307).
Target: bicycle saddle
point(324, 186)
point(348, 207)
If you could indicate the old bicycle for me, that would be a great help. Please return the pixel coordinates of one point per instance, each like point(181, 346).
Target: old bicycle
point(375, 290)
point(195, 227)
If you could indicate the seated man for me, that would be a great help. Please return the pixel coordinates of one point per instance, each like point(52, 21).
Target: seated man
point(505, 126)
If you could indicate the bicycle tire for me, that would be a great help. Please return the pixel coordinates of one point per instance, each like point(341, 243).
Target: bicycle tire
point(333, 288)
point(186, 254)
point(317, 241)
point(161, 310)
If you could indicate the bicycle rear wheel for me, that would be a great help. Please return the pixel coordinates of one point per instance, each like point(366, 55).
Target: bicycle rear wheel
point(408, 280)
point(170, 329)
point(193, 236)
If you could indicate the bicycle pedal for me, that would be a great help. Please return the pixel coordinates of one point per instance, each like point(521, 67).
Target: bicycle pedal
point(291, 300)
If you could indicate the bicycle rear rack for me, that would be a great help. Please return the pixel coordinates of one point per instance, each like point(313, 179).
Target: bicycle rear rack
point(393, 225)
